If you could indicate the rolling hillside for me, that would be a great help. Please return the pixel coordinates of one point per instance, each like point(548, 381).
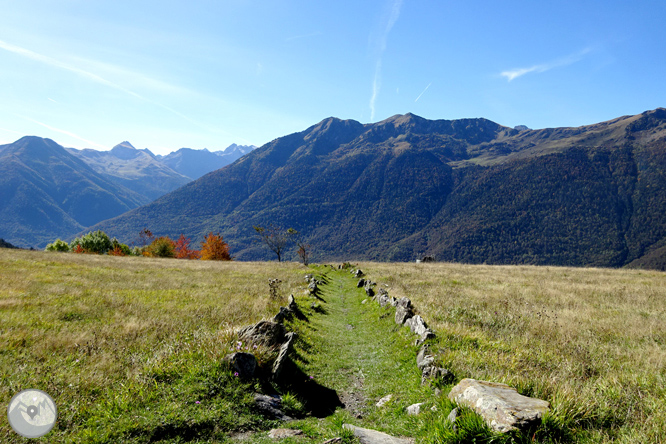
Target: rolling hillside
point(465, 190)
point(45, 193)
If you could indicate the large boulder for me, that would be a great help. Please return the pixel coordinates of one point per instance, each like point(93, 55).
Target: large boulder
point(501, 406)
point(268, 333)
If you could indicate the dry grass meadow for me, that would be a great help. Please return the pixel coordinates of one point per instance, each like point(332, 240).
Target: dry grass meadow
point(95, 331)
point(591, 341)
point(130, 347)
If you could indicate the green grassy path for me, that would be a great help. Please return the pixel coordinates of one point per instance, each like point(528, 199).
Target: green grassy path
point(356, 349)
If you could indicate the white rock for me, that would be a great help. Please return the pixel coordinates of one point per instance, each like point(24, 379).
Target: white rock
point(414, 409)
point(384, 400)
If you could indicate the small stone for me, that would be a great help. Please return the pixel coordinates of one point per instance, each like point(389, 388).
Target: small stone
point(433, 408)
point(424, 358)
point(404, 302)
point(434, 373)
point(270, 404)
point(452, 416)
point(364, 301)
point(414, 409)
point(384, 400)
point(284, 313)
point(283, 433)
point(369, 436)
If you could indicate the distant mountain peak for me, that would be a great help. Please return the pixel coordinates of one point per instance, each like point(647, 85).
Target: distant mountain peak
point(125, 144)
point(403, 119)
point(125, 151)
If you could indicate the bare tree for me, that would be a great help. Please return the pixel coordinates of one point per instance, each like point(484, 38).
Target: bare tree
point(276, 238)
point(303, 252)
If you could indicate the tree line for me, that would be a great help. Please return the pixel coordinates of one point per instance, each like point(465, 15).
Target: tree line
point(98, 242)
point(213, 247)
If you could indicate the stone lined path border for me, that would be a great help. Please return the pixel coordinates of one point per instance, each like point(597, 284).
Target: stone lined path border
point(499, 405)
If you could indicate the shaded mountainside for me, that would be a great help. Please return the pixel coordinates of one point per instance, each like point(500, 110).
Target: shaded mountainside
point(464, 190)
point(138, 170)
point(45, 192)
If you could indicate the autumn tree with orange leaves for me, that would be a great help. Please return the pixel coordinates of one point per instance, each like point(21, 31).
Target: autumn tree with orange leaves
point(213, 248)
point(183, 250)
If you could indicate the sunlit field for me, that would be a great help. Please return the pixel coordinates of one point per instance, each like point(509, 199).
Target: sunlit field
point(591, 341)
point(114, 339)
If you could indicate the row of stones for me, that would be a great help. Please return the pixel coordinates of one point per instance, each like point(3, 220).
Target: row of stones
point(405, 315)
point(271, 334)
point(501, 406)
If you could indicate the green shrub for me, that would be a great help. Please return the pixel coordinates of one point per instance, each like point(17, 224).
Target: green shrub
point(93, 242)
point(161, 247)
point(119, 249)
point(58, 245)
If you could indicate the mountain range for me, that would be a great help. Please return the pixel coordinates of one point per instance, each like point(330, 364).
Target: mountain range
point(47, 191)
point(466, 190)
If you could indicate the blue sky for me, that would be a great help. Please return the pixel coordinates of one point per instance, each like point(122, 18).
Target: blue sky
point(205, 74)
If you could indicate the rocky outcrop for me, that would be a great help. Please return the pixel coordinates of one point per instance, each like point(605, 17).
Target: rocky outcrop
point(501, 406)
point(267, 333)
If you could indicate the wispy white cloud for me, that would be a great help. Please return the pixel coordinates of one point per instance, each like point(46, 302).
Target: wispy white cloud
point(298, 37)
point(90, 76)
point(426, 89)
point(391, 18)
point(11, 131)
point(67, 133)
point(564, 61)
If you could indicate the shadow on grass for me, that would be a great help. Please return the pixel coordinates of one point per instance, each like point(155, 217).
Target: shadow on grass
point(318, 400)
